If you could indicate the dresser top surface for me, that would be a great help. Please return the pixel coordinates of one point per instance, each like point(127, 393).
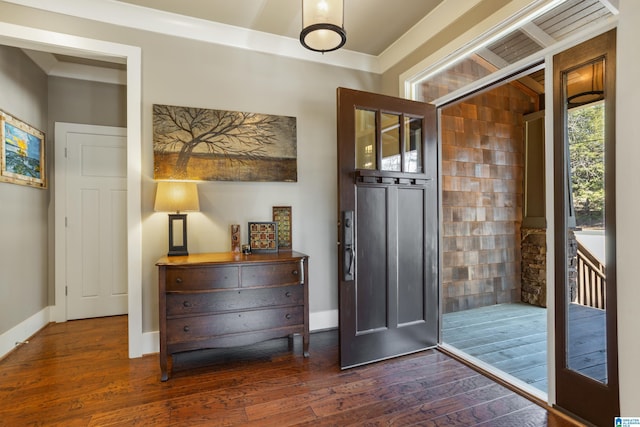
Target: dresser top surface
point(229, 258)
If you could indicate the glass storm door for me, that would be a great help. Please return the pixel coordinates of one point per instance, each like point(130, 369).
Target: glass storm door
point(585, 234)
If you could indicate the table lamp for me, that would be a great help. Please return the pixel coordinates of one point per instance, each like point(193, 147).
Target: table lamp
point(177, 196)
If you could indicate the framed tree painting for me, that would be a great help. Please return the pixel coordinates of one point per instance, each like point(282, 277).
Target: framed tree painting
point(219, 145)
point(22, 153)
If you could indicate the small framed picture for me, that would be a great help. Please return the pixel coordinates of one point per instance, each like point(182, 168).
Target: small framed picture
point(263, 236)
point(22, 153)
point(282, 215)
point(235, 238)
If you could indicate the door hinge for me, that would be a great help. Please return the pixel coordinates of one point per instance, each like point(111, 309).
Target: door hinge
point(66, 291)
point(65, 152)
point(66, 221)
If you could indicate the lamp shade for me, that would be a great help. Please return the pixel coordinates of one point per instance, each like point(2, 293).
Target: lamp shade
point(176, 196)
point(323, 25)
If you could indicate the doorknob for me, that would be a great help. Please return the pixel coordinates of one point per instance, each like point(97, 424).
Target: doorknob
point(348, 246)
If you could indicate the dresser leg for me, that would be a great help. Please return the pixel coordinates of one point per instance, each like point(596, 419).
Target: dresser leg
point(290, 339)
point(163, 367)
point(305, 345)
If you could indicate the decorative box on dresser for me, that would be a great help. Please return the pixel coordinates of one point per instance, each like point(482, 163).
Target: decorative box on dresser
point(230, 299)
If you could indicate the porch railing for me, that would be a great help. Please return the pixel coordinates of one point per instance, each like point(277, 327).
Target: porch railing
point(592, 279)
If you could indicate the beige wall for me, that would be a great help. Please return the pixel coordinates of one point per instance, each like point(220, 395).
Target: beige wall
point(183, 72)
point(23, 210)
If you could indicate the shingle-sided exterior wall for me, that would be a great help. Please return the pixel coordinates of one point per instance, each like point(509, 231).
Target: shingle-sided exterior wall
point(482, 185)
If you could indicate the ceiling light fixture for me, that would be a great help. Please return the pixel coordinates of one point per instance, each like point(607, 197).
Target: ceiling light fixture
point(588, 90)
point(323, 25)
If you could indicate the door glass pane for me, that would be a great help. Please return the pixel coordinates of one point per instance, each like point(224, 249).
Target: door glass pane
point(586, 276)
point(365, 139)
point(391, 142)
point(412, 144)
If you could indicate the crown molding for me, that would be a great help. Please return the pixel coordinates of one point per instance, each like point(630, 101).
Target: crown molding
point(441, 17)
point(133, 16)
point(52, 67)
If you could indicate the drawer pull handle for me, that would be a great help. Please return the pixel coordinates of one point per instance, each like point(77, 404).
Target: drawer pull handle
point(288, 294)
point(186, 304)
point(294, 272)
point(178, 279)
point(186, 328)
point(288, 316)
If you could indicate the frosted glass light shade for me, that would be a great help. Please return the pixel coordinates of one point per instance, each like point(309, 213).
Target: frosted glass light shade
point(174, 196)
point(323, 25)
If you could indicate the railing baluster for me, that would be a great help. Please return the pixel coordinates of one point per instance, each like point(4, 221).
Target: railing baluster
point(591, 286)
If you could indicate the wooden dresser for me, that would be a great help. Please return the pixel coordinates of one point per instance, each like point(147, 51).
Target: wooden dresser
point(229, 299)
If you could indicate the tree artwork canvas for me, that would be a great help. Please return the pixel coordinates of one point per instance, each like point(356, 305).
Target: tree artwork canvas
point(219, 145)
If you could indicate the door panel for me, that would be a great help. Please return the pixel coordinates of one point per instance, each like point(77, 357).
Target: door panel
point(371, 269)
point(388, 195)
point(96, 232)
point(411, 271)
point(585, 274)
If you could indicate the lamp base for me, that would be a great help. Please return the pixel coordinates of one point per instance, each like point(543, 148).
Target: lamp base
point(177, 253)
point(178, 235)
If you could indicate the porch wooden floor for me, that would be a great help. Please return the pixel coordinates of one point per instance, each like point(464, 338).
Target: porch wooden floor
point(513, 338)
point(78, 374)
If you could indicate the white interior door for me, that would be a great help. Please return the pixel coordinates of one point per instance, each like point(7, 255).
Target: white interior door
point(95, 165)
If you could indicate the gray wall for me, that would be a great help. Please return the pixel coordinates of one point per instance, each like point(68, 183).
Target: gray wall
point(85, 102)
point(23, 210)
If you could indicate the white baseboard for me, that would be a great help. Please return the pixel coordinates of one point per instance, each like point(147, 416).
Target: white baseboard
point(321, 320)
point(150, 342)
point(23, 331)
point(318, 321)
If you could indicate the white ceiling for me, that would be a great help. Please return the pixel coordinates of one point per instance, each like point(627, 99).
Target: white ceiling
point(371, 25)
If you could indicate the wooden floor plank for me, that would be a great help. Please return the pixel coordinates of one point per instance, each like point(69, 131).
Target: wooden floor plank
point(78, 374)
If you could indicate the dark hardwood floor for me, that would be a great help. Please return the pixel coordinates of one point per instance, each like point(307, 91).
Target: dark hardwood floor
point(78, 374)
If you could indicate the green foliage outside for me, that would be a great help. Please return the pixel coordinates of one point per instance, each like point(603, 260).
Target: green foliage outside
point(586, 153)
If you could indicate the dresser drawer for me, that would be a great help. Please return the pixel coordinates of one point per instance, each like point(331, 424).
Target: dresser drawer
point(196, 328)
point(271, 274)
point(200, 278)
point(207, 302)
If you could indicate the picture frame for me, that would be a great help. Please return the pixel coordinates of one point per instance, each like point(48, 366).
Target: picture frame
point(206, 144)
point(263, 236)
point(282, 215)
point(22, 153)
point(235, 238)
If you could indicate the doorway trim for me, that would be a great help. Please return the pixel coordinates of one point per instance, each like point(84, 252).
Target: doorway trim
point(438, 62)
point(26, 37)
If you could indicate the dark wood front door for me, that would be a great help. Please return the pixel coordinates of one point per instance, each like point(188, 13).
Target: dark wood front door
point(388, 206)
point(585, 230)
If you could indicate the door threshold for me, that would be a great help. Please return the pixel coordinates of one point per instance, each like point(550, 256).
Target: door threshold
point(509, 381)
point(536, 396)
